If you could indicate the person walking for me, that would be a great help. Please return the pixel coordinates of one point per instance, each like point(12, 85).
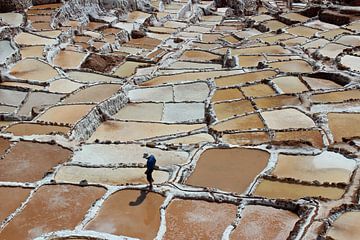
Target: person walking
point(150, 165)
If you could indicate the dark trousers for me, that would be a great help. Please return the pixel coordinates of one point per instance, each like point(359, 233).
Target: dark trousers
point(149, 176)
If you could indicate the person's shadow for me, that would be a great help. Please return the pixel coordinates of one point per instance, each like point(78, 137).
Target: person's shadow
point(140, 199)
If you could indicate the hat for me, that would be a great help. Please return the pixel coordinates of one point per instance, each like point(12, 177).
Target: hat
point(146, 155)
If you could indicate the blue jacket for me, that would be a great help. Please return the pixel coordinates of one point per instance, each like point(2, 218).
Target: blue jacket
point(150, 164)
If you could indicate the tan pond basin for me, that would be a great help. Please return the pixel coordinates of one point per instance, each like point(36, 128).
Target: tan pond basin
point(246, 138)
point(194, 219)
point(198, 29)
point(33, 51)
point(261, 17)
point(23, 85)
point(287, 118)
point(325, 167)
point(275, 49)
point(50, 34)
point(93, 94)
point(205, 46)
point(292, 66)
point(68, 114)
point(193, 65)
point(10, 97)
point(128, 68)
point(336, 97)
point(64, 86)
point(145, 43)
point(302, 31)
point(231, 170)
point(258, 90)
point(274, 25)
point(69, 59)
point(38, 99)
point(12, 18)
point(331, 34)
point(261, 222)
point(351, 62)
point(282, 190)
point(331, 50)
point(197, 55)
point(41, 157)
point(210, 37)
point(290, 84)
point(41, 214)
point(130, 213)
point(101, 154)
point(312, 137)
point(29, 39)
point(87, 77)
point(27, 129)
point(129, 131)
point(109, 176)
point(248, 122)
point(277, 101)
point(345, 227)
point(319, 83)
point(189, 77)
point(41, 26)
point(295, 17)
point(243, 78)
point(227, 94)
point(250, 61)
point(320, 42)
point(229, 109)
point(11, 198)
point(191, 139)
point(32, 69)
point(341, 124)
point(295, 41)
point(4, 145)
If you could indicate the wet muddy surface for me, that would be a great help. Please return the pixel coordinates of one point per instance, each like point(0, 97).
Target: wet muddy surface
point(250, 111)
point(231, 174)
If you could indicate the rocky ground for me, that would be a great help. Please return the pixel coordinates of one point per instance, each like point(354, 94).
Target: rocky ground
point(250, 107)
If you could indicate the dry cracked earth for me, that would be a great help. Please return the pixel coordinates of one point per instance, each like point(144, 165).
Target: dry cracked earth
point(254, 121)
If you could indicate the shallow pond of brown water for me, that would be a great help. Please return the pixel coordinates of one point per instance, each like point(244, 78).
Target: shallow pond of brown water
point(229, 109)
point(345, 227)
point(335, 97)
point(67, 114)
point(29, 162)
point(251, 121)
point(290, 84)
point(273, 189)
point(311, 137)
point(247, 138)
point(32, 69)
point(130, 213)
point(264, 223)
point(93, 94)
point(197, 220)
point(69, 59)
point(227, 94)
point(243, 78)
point(258, 90)
point(64, 86)
point(26, 129)
point(231, 170)
point(325, 167)
point(343, 125)
point(292, 66)
point(33, 51)
point(10, 97)
point(11, 199)
point(287, 118)
point(52, 209)
point(277, 101)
